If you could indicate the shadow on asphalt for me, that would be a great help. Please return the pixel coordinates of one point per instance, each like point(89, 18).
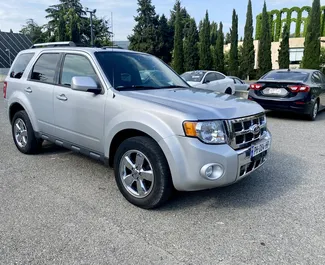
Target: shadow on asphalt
point(51, 149)
point(293, 116)
point(266, 184)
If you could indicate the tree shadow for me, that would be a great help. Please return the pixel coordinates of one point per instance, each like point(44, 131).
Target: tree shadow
point(283, 115)
point(273, 180)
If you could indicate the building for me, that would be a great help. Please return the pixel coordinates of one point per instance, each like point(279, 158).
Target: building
point(296, 51)
point(10, 45)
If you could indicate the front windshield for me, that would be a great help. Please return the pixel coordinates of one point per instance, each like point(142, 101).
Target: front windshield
point(195, 76)
point(134, 71)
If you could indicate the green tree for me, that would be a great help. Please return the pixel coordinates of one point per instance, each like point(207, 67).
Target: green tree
point(264, 49)
point(284, 55)
point(205, 51)
point(191, 50)
point(144, 37)
point(228, 38)
point(178, 56)
point(233, 60)
point(61, 30)
point(214, 33)
point(219, 50)
point(312, 43)
point(34, 31)
point(165, 44)
point(248, 56)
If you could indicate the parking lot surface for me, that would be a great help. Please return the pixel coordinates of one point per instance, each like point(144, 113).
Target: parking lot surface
point(62, 208)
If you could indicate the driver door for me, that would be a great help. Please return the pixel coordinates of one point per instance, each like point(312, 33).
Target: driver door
point(78, 115)
point(210, 82)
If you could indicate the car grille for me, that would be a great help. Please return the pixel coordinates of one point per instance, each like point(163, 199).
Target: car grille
point(240, 130)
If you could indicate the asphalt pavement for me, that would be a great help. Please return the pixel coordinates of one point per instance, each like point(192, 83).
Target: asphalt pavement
point(62, 208)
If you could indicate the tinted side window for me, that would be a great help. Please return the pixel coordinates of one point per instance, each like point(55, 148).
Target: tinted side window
point(76, 65)
point(211, 77)
point(45, 67)
point(220, 76)
point(322, 77)
point(316, 78)
point(20, 65)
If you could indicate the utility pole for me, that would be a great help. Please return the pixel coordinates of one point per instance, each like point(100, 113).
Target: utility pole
point(9, 54)
point(91, 12)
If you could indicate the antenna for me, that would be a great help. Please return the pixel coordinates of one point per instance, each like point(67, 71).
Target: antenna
point(112, 30)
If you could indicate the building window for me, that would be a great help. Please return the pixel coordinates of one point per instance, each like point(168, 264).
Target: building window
point(296, 55)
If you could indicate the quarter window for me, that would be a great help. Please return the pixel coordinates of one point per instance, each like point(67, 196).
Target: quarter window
point(20, 65)
point(45, 68)
point(316, 78)
point(76, 65)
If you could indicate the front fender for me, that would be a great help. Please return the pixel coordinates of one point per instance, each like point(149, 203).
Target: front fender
point(138, 120)
point(20, 98)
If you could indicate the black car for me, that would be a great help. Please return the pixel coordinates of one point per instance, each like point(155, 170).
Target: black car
point(299, 90)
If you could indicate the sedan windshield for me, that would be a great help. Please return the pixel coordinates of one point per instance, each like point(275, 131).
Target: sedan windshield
point(195, 76)
point(137, 71)
point(289, 75)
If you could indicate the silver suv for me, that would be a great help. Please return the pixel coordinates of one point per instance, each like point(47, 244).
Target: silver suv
point(133, 112)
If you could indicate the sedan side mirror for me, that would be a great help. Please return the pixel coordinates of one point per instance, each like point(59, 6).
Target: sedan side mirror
point(85, 84)
point(206, 82)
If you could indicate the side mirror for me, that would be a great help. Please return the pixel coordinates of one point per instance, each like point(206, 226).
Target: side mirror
point(206, 82)
point(85, 84)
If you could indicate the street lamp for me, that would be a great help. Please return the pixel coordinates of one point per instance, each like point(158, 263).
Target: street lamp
point(9, 55)
point(91, 12)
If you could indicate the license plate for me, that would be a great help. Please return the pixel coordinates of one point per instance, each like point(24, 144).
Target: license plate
point(275, 91)
point(260, 148)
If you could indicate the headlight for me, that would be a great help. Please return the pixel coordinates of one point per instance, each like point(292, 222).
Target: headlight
point(210, 132)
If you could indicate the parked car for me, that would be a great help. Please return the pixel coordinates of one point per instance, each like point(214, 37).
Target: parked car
point(210, 80)
point(131, 111)
point(240, 85)
point(301, 91)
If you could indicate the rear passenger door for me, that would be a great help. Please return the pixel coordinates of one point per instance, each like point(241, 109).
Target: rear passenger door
point(78, 115)
point(39, 89)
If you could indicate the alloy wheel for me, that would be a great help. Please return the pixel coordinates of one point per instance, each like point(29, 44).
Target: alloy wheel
point(20, 132)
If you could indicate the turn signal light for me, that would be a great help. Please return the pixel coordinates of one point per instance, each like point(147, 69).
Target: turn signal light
point(299, 88)
point(4, 89)
point(190, 128)
point(256, 86)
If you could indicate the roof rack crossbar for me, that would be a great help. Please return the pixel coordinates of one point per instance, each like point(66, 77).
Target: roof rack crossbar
point(54, 44)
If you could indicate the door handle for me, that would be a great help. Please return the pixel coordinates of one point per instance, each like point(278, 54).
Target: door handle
point(62, 97)
point(28, 90)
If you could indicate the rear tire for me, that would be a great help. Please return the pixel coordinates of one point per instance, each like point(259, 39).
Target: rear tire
point(142, 173)
point(228, 91)
point(314, 111)
point(23, 134)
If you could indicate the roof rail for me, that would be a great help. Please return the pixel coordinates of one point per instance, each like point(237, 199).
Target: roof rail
point(54, 44)
point(113, 46)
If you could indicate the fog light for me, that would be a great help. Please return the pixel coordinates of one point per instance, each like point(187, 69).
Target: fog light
point(212, 171)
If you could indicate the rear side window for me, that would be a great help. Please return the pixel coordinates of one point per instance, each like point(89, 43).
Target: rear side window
point(45, 68)
point(220, 76)
point(20, 65)
point(289, 75)
point(316, 78)
point(211, 77)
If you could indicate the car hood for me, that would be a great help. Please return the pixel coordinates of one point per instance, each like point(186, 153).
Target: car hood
point(199, 103)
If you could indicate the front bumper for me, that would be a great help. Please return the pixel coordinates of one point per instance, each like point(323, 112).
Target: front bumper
point(186, 157)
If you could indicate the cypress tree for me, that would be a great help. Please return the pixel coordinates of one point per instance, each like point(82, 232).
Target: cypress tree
point(233, 63)
point(220, 57)
point(61, 31)
point(264, 49)
point(248, 56)
point(205, 51)
point(284, 56)
point(312, 43)
point(166, 40)
point(191, 50)
point(144, 36)
point(178, 56)
point(214, 32)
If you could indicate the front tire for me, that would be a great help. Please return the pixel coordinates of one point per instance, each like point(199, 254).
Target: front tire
point(142, 173)
point(24, 135)
point(228, 91)
point(314, 111)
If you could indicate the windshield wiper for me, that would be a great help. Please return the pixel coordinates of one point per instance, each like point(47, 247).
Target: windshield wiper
point(173, 86)
point(135, 87)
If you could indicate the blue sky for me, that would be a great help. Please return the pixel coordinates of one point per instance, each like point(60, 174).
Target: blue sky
point(13, 13)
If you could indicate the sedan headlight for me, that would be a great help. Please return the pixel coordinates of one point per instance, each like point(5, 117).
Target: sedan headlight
point(210, 132)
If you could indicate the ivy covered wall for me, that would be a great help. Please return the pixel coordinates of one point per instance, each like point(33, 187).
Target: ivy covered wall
point(278, 18)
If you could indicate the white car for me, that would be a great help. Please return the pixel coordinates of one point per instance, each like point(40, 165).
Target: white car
point(210, 80)
point(240, 85)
